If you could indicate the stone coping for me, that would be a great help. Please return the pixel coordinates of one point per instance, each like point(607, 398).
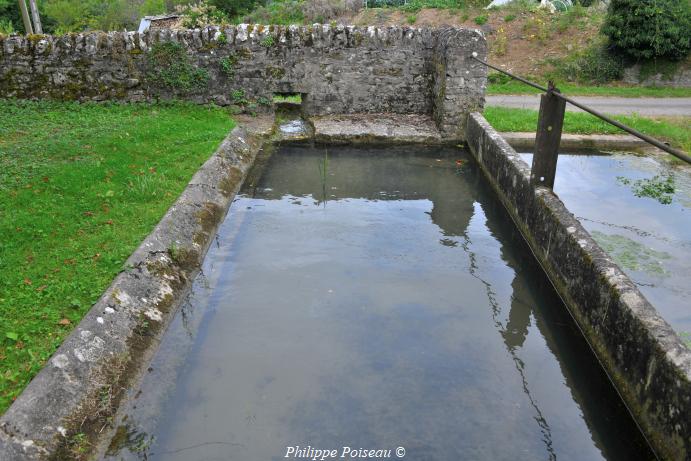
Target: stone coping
point(648, 363)
point(375, 129)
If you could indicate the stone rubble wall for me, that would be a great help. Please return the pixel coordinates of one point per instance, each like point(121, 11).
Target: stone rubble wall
point(340, 69)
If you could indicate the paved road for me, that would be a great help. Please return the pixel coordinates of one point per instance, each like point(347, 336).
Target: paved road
point(644, 106)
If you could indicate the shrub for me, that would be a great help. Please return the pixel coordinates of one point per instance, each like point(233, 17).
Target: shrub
point(322, 10)
point(482, 19)
point(592, 65)
point(234, 7)
point(277, 12)
point(201, 14)
point(648, 29)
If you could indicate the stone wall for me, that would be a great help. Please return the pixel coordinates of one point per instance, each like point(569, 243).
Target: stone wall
point(678, 78)
point(341, 69)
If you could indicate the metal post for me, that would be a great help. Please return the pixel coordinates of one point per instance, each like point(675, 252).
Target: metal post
point(25, 17)
point(36, 17)
point(548, 137)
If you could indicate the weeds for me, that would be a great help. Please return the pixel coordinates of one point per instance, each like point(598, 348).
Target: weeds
point(268, 41)
point(592, 65)
point(500, 42)
point(170, 68)
point(482, 19)
point(658, 187)
point(228, 65)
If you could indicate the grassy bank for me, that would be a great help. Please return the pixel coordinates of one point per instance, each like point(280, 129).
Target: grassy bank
point(673, 130)
point(80, 187)
point(515, 87)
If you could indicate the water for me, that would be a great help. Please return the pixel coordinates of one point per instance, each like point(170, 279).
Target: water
point(373, 299)
point(649, 240)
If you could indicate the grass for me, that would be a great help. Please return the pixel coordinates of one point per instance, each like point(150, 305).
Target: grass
point(294, 98)
point(673, 130)
point(80, 186)
point(514, 87)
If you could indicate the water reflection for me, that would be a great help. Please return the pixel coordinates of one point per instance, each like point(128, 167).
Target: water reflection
point(406, 313)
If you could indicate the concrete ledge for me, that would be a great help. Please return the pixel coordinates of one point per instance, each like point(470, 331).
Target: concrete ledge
point(522, 140)
point(376, 129)
point(80, 387)
point(647, 361)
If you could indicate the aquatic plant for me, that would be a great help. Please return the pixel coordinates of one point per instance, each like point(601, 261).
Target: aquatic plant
point(658, 187)
point(323, 171)
point(632, 255)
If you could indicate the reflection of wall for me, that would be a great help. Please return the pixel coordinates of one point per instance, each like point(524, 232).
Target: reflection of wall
point(296, 171)
point(342, 69)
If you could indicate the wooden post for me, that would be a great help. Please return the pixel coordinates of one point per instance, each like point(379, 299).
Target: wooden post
point(548, 136)
point(36, 17)
point(25, 17)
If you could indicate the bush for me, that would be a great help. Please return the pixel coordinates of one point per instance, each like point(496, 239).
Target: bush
point(277, 12)
point(592, 65)
point(649, 29)
point(323, 10)
point(234, 7)
point(482, 19)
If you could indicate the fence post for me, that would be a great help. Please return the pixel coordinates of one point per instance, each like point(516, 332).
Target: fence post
point(548, 136)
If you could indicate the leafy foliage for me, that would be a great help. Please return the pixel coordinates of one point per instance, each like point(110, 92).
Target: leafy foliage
point(79, 15)
point(170, 67)
point(201, 14)
point(648, 29)
point(595, 64)
point(228, 65)
point(234, 7)
point(660, 188)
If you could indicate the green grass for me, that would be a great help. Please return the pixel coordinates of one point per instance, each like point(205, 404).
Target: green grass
point(294, 98)
point(673, 130)
point(515, 87)
point(81, 185)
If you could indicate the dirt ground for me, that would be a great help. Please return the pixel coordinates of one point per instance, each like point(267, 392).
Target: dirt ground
point(519, 42)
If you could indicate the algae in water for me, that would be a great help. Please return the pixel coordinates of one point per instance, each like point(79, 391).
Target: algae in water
point(632, 255)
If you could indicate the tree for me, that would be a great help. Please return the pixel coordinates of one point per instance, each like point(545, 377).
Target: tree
point(649, 29)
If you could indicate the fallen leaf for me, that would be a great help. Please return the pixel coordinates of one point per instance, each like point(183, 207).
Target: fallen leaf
point(19, 345)
point(42, 287)
point(27, 282)
point(45, 179)
point(64, 322)
point(88, 213)
point(109, 222)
